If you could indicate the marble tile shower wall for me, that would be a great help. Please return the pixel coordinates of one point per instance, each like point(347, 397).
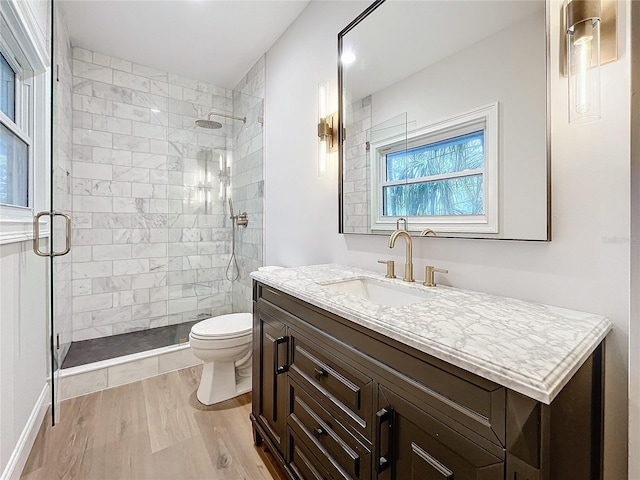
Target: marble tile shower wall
point(248, 180)
point(151, 236)
point(357, 172)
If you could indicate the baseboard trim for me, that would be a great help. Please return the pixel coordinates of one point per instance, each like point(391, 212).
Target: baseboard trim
point(20, 454)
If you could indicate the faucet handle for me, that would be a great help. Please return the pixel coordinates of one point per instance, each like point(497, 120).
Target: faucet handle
point(429, 275)
point(390, 268)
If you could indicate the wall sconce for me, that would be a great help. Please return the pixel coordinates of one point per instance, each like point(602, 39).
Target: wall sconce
point(327, 130)
point(590, 27)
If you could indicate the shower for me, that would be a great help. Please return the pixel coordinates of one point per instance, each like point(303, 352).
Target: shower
point(212, 124)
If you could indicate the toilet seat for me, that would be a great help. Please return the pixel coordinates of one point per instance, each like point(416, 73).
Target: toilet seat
point(223, 327)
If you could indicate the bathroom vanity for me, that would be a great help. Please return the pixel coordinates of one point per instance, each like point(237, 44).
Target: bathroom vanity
point(443, 384)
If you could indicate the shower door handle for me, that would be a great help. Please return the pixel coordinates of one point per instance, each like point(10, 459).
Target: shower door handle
point(36, 234)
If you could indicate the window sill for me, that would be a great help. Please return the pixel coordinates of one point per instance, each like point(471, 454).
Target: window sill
point(16, 231)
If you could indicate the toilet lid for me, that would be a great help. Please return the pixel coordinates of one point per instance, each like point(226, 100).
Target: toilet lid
point(224, 326)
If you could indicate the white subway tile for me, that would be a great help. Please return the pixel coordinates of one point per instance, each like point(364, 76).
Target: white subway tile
point(95, 236)
point(81, 253)
point(101, 59)
point(131, 174)
point(87, 104)
point(110, 189)
point(141, 190)
point(129, 80)
point(112, 252)
point(112, 92)
point(149, 100)
point(132, 143)
point(89, 333)
point(88, 303)
point(81, 186)
point(159, 146)
point(149, 280)
point(111, 284)
point(82, 54)
point(92, 170)
point(149, 72)
point(92, 138)
point(130, 112)
point(92, 204)
point(158, 87)
point(130, 267)
point(111, 315)
point(130, 205)
point(149, 251)
point(119, 64)
point(92, 71)
point(81, 287)
point(175, 92)
point(110, 157)
point(111, 220)
point(149, 160)
point(157, 132)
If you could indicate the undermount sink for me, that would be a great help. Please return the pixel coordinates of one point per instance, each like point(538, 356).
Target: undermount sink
point(379, 292)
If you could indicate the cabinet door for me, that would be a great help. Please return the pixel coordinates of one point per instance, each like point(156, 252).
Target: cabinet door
point(412, 444)
point(270, 386)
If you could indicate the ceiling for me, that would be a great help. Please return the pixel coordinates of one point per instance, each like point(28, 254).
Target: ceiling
point(424, 33)
point(211, 40)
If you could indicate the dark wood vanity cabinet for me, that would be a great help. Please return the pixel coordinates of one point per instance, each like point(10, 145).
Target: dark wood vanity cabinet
point(334, 400)
point(270, 345)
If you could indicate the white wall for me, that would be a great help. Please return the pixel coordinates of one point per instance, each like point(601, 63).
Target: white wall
point(23, 340)
point(634, 333)
point(585, 267)
point(24, 295)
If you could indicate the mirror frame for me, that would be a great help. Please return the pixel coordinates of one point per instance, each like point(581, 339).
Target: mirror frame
point(341, 128)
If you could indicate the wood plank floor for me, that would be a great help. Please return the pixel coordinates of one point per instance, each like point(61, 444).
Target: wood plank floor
point(153, 429)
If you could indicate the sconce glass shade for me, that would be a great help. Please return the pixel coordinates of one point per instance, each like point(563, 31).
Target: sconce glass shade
point(322, 119)
point(583, 60)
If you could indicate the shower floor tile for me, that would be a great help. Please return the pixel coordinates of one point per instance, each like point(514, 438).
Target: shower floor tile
point(104, 348)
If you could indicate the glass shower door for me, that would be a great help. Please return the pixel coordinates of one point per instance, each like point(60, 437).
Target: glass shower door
point(59, 215)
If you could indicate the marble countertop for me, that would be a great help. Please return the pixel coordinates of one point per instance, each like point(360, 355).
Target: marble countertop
point(528, 347)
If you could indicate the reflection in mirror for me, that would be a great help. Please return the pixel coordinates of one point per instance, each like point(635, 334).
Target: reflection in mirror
point(445, 126)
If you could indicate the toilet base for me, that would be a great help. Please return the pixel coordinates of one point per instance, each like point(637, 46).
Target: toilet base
point(218, 383)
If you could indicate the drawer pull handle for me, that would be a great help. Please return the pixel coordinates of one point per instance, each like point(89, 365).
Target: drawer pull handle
point(276, 348)
point(319, 373)
point(384, 459)
point(318, 432)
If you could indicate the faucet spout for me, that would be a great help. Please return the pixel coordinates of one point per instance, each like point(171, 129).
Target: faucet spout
point(408, 265)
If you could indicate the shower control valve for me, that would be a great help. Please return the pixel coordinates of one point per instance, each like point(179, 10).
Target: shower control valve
point(243, 219)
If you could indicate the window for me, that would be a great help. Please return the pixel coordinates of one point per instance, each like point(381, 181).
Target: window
point(24, 120)
point(14, 141)
point(443, 176)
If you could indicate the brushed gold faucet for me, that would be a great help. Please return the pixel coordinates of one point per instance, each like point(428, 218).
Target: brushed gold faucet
point(408, 265)
point(426, 232)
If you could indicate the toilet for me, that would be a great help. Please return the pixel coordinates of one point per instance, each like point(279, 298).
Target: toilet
point(223, 343)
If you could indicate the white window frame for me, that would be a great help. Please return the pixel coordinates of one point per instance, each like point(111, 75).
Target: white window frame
point(482, 118)
point(26, 53)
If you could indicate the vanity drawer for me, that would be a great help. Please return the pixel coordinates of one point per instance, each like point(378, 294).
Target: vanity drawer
point(343, 386)
point(322, 429)
point(304, 464)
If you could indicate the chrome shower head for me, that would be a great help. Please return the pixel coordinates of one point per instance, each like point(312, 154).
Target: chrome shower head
point(210, 124)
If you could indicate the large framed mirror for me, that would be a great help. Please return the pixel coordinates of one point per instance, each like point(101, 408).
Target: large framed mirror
point(444, 119)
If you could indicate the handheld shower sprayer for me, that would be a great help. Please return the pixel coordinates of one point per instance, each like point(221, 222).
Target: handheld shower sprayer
point(240, 220)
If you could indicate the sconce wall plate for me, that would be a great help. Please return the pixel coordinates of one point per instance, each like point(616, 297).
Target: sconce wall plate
point(328, 131)
point(608, 34)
